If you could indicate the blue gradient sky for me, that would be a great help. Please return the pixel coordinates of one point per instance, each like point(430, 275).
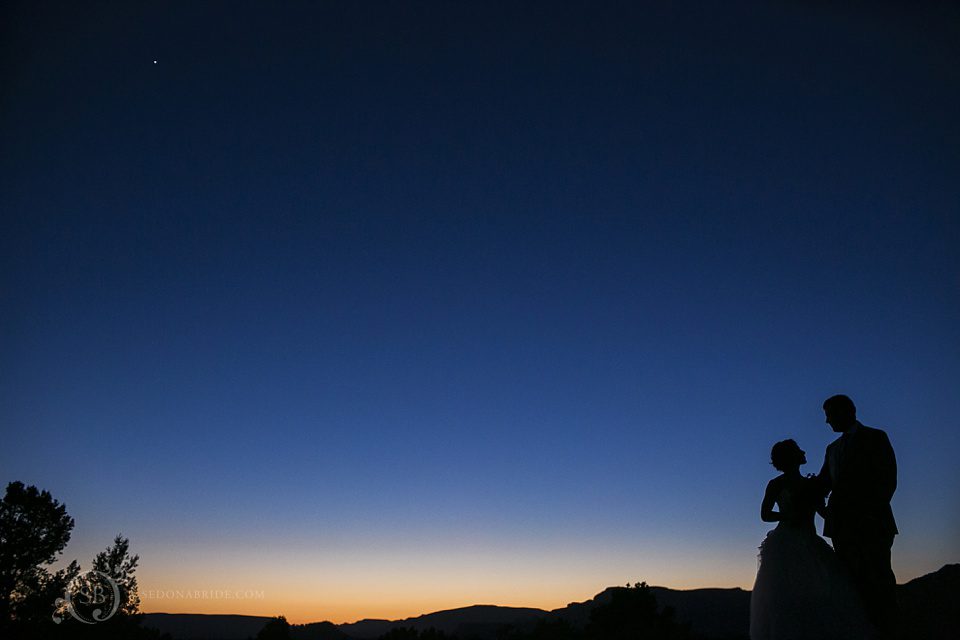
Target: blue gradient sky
point(386, 310)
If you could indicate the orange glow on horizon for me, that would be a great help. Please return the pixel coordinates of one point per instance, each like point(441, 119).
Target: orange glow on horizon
point(343, 585)
point(306, 605)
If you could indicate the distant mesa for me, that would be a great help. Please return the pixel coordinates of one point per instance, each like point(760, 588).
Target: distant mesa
point(193, 626)
point(928, 608)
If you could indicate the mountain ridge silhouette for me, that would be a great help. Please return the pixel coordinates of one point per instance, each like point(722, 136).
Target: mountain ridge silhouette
point(927, 607)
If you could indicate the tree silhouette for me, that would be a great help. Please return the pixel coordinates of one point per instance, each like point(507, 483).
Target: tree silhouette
point(620, 613)
point(276, 629)
point(34, 529)
point(117, 563)
point(632, 613)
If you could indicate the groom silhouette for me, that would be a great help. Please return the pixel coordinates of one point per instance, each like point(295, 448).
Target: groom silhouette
point(860, 473)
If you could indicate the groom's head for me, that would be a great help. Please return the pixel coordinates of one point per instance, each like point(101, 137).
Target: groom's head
point(841, 412)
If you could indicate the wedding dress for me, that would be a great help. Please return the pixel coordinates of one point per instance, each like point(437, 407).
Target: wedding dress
point(801, 591)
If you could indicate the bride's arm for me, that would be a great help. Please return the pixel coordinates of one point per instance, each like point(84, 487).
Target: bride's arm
point(767, 514)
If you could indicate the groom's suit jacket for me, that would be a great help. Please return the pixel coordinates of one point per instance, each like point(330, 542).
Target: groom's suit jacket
point(860, 472)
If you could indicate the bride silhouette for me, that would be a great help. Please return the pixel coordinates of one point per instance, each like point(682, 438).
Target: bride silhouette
point(801, 590)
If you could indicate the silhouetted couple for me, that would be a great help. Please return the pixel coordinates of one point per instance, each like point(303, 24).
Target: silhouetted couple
point(805, 589)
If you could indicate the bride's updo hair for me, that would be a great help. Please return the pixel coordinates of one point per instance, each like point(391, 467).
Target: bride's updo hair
point(784, 455)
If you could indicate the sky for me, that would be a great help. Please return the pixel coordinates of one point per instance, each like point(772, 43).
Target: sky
point(348, 310)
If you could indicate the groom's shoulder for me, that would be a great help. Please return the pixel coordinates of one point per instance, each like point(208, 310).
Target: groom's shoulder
point(874, 434)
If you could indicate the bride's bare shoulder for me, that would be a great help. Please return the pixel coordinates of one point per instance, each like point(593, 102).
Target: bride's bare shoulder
point(775, 484)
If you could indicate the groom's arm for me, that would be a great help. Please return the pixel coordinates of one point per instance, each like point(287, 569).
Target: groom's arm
point(824, 485)
point(824, 481)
